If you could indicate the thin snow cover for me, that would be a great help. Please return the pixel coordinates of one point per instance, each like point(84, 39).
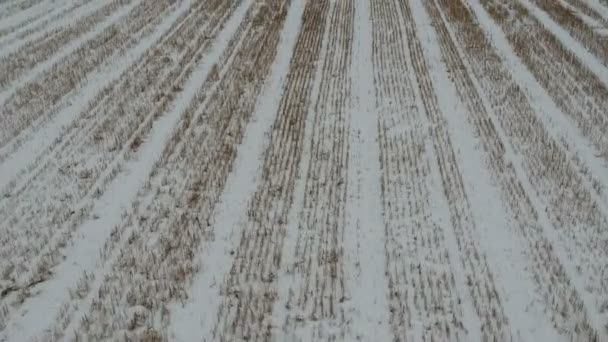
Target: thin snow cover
point(34, 141)
point(549, 230)
point(195, 320)
point(11, 43)
point(496, 229)
point(364, 238)
point(42, 8)
point(37, 314)
point(441, 215)
point(596, 26)
point(600, 6)
point(569, 42)
point(287, 279)
point(367, 310)
point(66, 50)
point(4, 7)
point(560, 127)
point(161, 133)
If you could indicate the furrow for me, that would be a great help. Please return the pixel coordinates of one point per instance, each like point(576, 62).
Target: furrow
point(249, 289)
point(128, 119)
point(588, 9)
point(16, 37)
point(33, 100)
point(185, 187)
point(578, 92)
point(479, 278)
point(530, 165)
point(26, 12)
point(365, 239)
point(24, 61)
point(579, 28)
point(425, 301)
point(188, 321)
point(39, 145)
point(317, 309)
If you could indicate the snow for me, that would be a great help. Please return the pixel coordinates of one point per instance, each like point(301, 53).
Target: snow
point(11, 43)
point(41, 8)
point(599, 7)
point(497, 230)
point(560, 126)
point(494, 233)
point(287, 279)
point(161, 132)
point(35, 141)
point(595, 25)
point(189, 322)
point(84, 253)
point(364, 236)
point(67, 50)
point(586, 57)
point(550, 232)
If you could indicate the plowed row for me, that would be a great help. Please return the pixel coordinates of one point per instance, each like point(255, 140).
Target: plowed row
point(318, 170)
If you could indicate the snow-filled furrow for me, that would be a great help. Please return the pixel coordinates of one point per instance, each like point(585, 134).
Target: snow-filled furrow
point(51, 170)
point(365, 239)
point(97, 182)
point(102, 173)
point(425, 300)
point(107, 210)
point(32, 101)
point(4, 7)
point(7, 31)
point(589, 161)
point(249, 290)
point(597, 63)
point(20, 71)
point(195, 318)
point(499, 240)
point(574, 207)
point(19, 37)
point(600, 6)
point(536, 168)
point(577, 91)
point(205, 159)
point(270, 170)
point(319, 306)
point(463, 239)
point(581, 28)
point(28, 11)
point(38, 146)
point(587, 14)
point(84, 120)
point(286, 276)
point(30, 60)
point(14, 7)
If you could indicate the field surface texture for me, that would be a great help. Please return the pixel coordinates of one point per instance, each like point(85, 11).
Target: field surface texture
point(304, 170)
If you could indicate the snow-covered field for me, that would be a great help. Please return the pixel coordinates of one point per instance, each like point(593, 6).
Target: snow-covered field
point(296, 170)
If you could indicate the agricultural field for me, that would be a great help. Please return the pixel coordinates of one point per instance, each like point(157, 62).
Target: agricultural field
point(298, 170)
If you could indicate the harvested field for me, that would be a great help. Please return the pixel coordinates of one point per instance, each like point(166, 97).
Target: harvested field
point(335, 170)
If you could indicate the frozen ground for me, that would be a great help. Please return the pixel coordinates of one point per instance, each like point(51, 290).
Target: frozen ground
point(408, 170)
